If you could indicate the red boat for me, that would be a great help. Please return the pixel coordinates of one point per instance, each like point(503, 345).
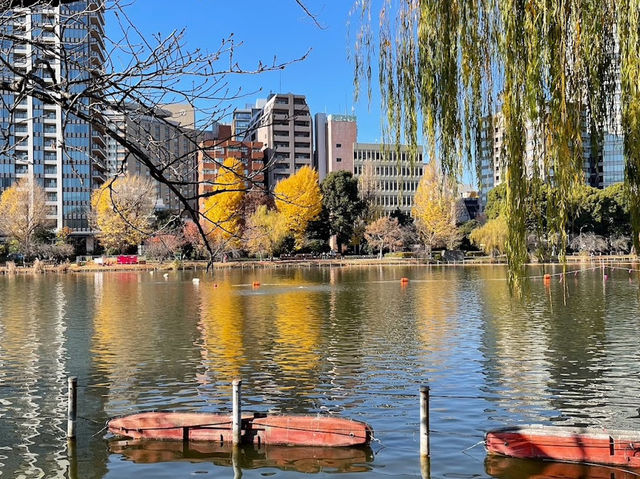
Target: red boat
point(560, 443)
point(257, 429)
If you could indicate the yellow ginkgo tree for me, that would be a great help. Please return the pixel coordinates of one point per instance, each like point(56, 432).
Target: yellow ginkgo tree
point(299, 201)
point(434, 211)
point(123, 211)
point(22, 212)
point(223, 211)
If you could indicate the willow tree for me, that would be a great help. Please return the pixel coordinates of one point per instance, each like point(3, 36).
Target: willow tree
point(542, 70)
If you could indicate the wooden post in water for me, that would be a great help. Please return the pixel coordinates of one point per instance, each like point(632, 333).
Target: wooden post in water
point(72, 402)
point(236, 418)
point(424, 421)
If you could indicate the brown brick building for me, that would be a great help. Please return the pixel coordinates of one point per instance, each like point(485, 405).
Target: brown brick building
point(212, 155)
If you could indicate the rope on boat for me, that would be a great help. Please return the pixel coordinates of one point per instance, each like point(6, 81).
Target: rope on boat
point(164, 428)
point(106, 426)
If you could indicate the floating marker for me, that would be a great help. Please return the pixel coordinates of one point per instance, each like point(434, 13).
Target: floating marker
point(404, 280)
point(256, 284)
point(547, 278)
point(215, 285)
point(195, 280)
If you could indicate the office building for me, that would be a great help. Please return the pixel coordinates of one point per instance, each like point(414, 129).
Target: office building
point(283, 126)
point(388, 174)
point(63, 153)
point(335, 137)
point(169, 138)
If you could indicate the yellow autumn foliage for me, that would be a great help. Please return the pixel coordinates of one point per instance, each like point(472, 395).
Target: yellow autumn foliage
point(434, 210)
point(22, 212)
point(264, 231)
point(223, 210)
point(492, 236)
point(299, 200)
point(123, 211)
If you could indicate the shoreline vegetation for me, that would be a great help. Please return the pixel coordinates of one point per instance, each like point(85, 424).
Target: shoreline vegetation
point(62, 268)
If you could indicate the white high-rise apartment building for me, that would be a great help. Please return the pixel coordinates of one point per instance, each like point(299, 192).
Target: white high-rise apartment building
point(283, 126)
point(61, 152)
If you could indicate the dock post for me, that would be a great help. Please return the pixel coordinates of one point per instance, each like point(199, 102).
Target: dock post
point(237, 412)
point(424, 421)
point(72, 402)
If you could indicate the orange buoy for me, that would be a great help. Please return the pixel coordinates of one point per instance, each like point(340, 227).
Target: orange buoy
point(404, 280)
point(547, 278)
point(256, 284)
point(215, 285)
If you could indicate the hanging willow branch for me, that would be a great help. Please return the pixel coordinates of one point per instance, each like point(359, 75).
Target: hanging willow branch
point(541, 71)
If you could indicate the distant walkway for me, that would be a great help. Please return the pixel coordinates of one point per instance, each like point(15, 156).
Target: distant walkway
point(298, 262)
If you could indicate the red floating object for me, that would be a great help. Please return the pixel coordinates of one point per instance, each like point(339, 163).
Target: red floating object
point(404, 280)
point(575, 444)
point(290, 430)
point(256, 284)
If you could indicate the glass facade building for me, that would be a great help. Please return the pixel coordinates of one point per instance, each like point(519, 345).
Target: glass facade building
point(62, 152)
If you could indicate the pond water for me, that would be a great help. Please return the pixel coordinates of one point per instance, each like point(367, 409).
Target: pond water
point(348, 341)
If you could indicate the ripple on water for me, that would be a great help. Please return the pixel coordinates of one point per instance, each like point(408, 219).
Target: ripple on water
point(351, 341)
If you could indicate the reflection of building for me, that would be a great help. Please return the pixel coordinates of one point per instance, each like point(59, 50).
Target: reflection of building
point(335, 139)
point(283, 126)
point(212, 154)
point(60, 151)
point(391, 176)
point(169, 137)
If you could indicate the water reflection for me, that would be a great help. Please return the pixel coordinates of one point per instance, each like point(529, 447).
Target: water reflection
point(511, 468)
point(349, 341)
point(221, 325)
point(33, 343)
point(298, 319)
point(298, 459)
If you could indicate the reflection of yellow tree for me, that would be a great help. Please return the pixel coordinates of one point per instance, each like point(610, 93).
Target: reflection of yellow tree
point(298, 330)
point(511, 335)
point(116, 348)
point(222, 329)
point(437, 310)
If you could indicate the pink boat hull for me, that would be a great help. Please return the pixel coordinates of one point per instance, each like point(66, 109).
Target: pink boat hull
point(586, 445)
point(291, 430)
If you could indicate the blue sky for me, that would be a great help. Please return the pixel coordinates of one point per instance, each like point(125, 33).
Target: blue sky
point(268, 28)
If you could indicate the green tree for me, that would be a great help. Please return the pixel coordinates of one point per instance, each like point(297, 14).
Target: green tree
point(343, 204)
